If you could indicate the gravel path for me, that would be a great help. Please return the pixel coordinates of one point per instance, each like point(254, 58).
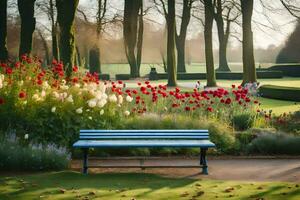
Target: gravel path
point(243, 169)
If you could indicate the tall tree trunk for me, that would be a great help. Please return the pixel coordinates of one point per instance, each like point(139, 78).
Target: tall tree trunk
point(3, 30)
point(171, 58)
point(66, 10)
point(26, 10)
point(223, 39)
point(94, 61)
point(55, 51)
point(45, 45)
point(248, 56)
point(180, 39)
point(210, 70)
point(130, 30)
point(140, 37)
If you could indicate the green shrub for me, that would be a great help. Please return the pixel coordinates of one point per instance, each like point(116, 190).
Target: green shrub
point(122, 76)
point(280, 92)
point(275, 144)
point(104, 77)
point(15, 156)
point(243, 121)
point(292, 70)
point(223, 75)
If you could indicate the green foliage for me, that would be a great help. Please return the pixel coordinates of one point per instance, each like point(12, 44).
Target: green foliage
point(122, 76)
point(15, 156)
point(275, 144)
point(243, 121)
point(292, 70)
point(280, 92)
point(223, 75)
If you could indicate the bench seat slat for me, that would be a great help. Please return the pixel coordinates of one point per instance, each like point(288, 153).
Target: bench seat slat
point(144, 131)
point(142, 137)
point(142, 143)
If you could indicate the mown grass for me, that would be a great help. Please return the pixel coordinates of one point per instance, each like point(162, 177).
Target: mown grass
point(112, 186)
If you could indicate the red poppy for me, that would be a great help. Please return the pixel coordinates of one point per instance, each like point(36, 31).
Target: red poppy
point(8, 70)
point(187, 108)
point(1, 101)
point(120, 82)
point(209, 109)
point(147, 82)
point(39, 82)
point(75, 69)
point(22, 95)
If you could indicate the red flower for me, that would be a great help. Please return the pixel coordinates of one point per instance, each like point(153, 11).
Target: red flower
point(147, 82)
point(75, 69)
point(1, 101)
point(228, 101)
point(187, 108)
point(209, 109)
point(120, 82)
point(233, 86)
point(8, 70)
point(39, 82)
point(22, 95)
point(256, 102)
point(139, 84)
point(75, 80)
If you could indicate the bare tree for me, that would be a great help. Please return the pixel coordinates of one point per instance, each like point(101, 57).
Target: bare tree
point(3, 30)
point(181, 37)
point(26, 10)
point(224, 15)
point(209, 57)
point(132, 35)
point(249, 75)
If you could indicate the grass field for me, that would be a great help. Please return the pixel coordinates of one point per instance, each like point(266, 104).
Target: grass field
point(138, 186)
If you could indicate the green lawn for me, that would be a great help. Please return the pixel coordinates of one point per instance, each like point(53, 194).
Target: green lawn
point(73, 185)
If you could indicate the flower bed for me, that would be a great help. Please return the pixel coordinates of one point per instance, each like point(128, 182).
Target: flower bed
point(50, 107)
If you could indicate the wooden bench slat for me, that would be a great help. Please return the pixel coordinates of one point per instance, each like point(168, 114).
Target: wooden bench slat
point(144, 131)
point(141, 137)
point(142, 143)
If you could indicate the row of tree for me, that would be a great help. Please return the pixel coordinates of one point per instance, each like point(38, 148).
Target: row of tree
point(61, 14)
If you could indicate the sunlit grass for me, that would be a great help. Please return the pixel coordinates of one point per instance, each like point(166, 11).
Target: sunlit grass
point(73, 185)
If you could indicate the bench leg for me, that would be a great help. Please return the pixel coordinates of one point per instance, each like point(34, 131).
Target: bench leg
point(203, 161)
point(85, 161)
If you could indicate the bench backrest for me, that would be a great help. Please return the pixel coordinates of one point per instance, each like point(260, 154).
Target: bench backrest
point(143, 134)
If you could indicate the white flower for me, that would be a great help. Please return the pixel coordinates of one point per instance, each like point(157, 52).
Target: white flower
point(21, 83)
point(92, 103)
point(165, 108)
point(101, 103)
point(79, 110)
point(64, 87)
point(26, 136)
point(126, 113)
point(129, 98)
point(63, 81)
point(90, 118)
point(45, 85)
point(77, 85)
point(55, 94)
point(120, 99)
point(43, 93)
point(53, 109)
point(101, 112)
point(113, 98)
point(70, 99)
point(36, 97)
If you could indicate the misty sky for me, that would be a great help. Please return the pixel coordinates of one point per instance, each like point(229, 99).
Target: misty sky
point(271, 30)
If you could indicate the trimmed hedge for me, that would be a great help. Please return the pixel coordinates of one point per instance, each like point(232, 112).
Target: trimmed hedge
point(292, 70)
point(223, 75)
point(122, 76)
point(280, 92)
point(104, 77)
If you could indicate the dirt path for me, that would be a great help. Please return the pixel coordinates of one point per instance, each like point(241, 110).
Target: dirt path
point(219, 169)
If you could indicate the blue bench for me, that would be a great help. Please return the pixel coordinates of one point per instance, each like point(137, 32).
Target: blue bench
point(144, 138)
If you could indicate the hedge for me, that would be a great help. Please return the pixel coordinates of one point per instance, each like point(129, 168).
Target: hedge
point(122, 76)
point(105, 77)
point(223, 75)
point(280, 92)
point(292, 70)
